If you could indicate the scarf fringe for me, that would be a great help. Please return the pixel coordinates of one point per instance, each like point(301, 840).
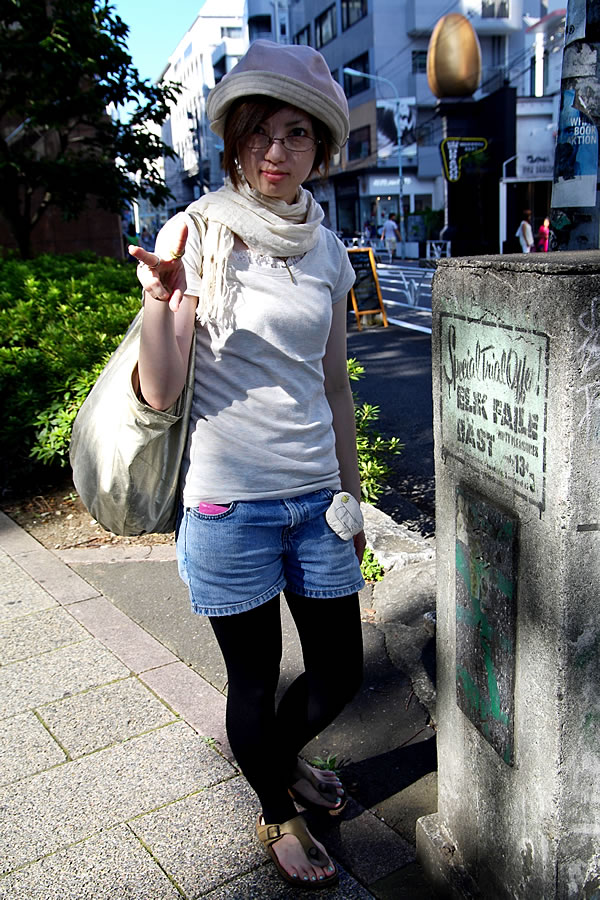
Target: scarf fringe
point(215, 301)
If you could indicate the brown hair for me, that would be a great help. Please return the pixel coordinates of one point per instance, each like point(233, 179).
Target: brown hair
point(248, 112)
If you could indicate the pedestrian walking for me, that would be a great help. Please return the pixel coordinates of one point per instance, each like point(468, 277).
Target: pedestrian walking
point(525, 232)
point(390, 235)
point(270, 483)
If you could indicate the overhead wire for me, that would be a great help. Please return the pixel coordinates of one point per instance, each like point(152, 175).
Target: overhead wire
point(435, 116)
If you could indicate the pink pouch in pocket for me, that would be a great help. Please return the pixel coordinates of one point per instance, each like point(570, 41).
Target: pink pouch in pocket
point(211, 509)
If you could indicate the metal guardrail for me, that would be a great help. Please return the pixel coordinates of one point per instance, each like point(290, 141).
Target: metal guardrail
point(437, 249)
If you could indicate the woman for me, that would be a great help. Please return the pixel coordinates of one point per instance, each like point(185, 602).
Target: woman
point(543, 236)
point(525, 233)
point(272, 437)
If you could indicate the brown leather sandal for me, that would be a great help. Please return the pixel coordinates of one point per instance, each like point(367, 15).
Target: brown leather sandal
point(270, 834)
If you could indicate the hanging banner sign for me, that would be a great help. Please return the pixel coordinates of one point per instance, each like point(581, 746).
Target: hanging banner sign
point(455, 149)
point(576, 158)
point(396, 123)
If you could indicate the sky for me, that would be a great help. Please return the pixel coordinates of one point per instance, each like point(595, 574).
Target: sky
point(155, 29)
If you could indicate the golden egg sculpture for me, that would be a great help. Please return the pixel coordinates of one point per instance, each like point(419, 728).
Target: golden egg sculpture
point(453, 58)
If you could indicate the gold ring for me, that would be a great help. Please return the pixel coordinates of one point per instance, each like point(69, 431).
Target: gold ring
point(175, 255)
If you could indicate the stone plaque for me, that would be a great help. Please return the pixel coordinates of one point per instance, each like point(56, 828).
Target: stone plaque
point(486, 594)
point(494, 382)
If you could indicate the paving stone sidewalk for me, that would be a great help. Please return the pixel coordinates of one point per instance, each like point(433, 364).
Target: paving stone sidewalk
point(116, 778)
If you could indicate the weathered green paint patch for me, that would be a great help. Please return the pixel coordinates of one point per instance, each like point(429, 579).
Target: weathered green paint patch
point(486, 590)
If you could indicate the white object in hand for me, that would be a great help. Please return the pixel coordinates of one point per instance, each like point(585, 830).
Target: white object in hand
point(344, 516)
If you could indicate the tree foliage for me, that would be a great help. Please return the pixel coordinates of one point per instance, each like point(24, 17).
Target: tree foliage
point(63, 64)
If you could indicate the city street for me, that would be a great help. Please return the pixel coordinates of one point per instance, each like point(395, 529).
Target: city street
point(397, 379)
point(406, 292)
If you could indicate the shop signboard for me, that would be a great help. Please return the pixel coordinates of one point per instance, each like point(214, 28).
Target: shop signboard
point(455, 149)
point(365, 294)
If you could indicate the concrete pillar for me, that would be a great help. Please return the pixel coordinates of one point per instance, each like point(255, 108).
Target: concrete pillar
point(516, 384)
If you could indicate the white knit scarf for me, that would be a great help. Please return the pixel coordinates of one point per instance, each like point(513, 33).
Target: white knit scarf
point(270, 227)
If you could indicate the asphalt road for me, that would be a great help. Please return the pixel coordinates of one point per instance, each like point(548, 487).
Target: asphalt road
point(397, 378)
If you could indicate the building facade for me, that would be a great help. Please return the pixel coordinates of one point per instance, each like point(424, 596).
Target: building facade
point(208, 50)
point(377, 50)
point(387, 40)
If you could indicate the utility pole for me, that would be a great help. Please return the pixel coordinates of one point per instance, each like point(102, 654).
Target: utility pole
point(398, 122)
point(575, 215)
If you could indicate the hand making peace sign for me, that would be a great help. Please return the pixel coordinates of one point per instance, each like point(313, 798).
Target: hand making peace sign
point(161, 273)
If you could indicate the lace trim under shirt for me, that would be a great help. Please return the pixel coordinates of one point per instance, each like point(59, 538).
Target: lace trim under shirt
point(253, 258)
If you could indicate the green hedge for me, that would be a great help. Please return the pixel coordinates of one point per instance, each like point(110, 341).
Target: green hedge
point(60, 318)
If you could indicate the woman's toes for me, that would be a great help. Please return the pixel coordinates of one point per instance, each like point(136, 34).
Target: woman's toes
point(292, 857)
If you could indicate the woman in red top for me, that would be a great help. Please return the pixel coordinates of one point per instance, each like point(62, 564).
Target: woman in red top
point(543, 236)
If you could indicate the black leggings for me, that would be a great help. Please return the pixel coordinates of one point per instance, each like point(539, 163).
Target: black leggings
point(267, 740)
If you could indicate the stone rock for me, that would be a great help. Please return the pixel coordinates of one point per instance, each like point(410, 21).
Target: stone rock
point(394, 545)
point(406, 594)
point(403, 604)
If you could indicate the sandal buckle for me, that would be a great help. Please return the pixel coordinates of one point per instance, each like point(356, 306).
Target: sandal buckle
point(273, 832)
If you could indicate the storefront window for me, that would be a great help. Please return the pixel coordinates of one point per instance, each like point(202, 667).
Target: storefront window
point(423, 201)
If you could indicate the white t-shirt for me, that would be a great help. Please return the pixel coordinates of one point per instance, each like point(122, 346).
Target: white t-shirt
point(261, 426)
point(525, 235)
point(389, 230)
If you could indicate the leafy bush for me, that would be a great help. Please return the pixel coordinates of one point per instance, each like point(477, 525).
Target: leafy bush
point(371, 569)
point(373, 449)
point(60, 318)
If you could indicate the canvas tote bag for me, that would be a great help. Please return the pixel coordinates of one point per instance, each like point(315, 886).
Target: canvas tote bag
point(126, 456)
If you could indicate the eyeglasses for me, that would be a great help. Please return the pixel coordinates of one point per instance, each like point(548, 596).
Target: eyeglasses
point(296, 143)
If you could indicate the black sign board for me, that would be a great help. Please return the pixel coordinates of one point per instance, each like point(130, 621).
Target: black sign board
point(455, 149)
point(366, 293)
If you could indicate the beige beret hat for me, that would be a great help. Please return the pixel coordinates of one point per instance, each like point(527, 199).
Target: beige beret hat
point(294, 73)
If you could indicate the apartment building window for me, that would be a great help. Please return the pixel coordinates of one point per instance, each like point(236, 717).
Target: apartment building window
point(260, 27)
point(498, 50)
point(325, 27)
point(533, 74)
point(353, 84)
point(359, 143)
point(494, 9)
point(353, 11)
point(303, 37)
point(419, 62)
point(230, 31)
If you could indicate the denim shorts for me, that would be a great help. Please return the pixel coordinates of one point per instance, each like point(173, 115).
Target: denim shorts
point(244, 556)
